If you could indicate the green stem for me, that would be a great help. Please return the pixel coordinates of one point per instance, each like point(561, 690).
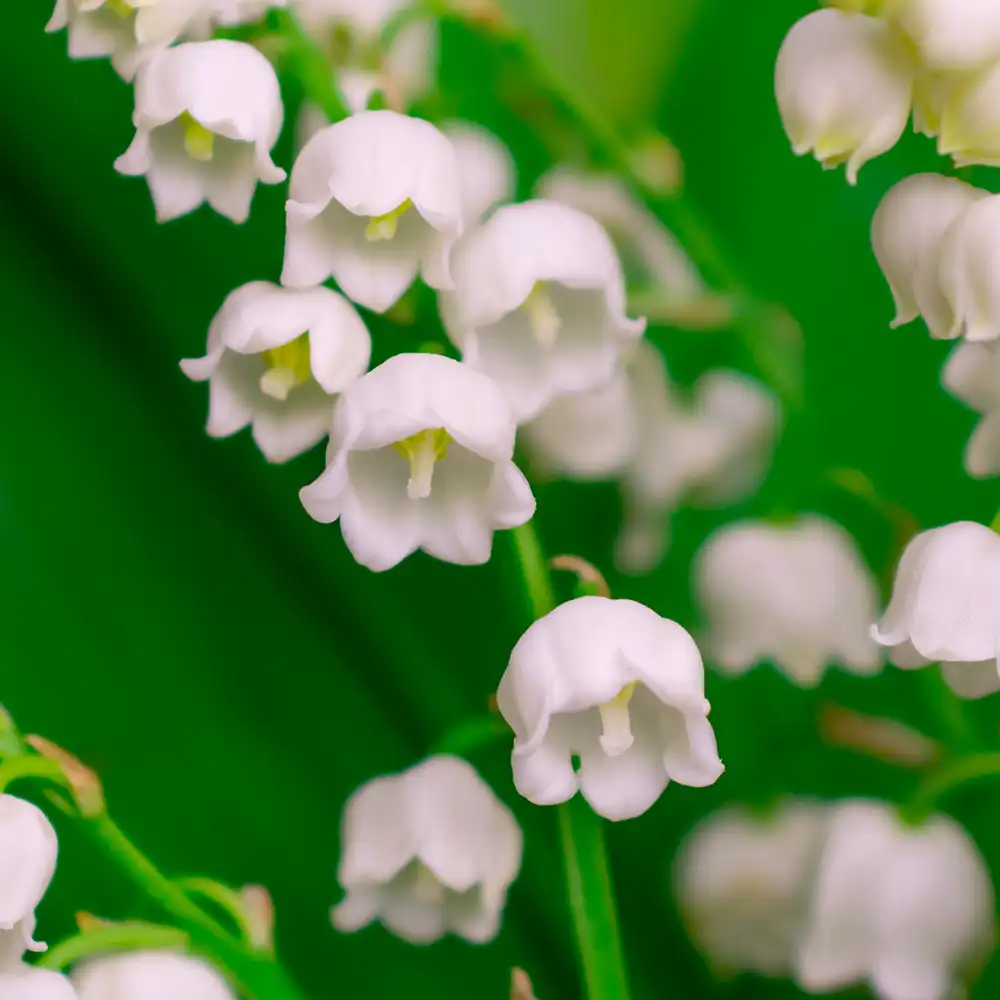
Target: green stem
point(949, 778)
point(123, 937)
point(225, 898)
point(308, 63)
point(473, 735)
point(534, 570)
point(30, 766)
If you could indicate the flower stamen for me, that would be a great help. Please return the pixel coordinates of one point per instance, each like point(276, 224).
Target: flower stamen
point(545, 321)
point(120, 7)
point(199, 142)
point(287, 367)
point(426, 886)
point(383, 227)
point(616, 735)
point(423, 450)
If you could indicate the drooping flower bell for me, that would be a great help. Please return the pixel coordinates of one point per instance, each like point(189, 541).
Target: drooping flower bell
point(421, 457)
point(951, 34)
point(970, 119)
point(907, 236)
point(968, 270)
point(206, 116)
point(539, 303)
point(743, 884)
point(373, 200)
point(149, 975)
point(798, 595)
point(844, 84)
point(972, 374)
point(428, 852)
point(276, 358)
point(611, 683)
point(898, 906)
point(28, 850)
point(486, 172)
point(945, 607)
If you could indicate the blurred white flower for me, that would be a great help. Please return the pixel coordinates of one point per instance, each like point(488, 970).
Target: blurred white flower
point(149, 975)
point(951, 34)
point(946, 607)
point(421, 457)
point(902, 907)
point(650, 254)
point(798, 595)
point(485, 169)
point(20, 981)
point(275, 358)
point(373, 200)
point(28, 850)
point(621, 688)
point(427, 852)
point(970, 119)
point(907, 236)
point(539, 303)
point(743, 883)
point(969, 265)
point(972, 374)
point(844, 85)
point(206, 116)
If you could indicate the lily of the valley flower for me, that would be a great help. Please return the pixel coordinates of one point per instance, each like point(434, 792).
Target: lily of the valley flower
point(902, 907)
point(619, 687)
point(539, 303)
point(421, 457)
point(946, 607)
point(276, 357)
point(28, 850)
point(844, 84)
point(485, 169)
point(907, 236)
point(973, 375)
point(149, 975)
point(428, 852)
point(951, 34)
point(20, 981)
point(969, 265)
point(798, 595)
point(970, 120)
point(374, 199)
point(206, 116)
point(743, 882)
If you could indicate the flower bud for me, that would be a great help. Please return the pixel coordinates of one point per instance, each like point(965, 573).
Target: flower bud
point(844, 84)
point(952, 34)
point(969, 268)
point(972, 374)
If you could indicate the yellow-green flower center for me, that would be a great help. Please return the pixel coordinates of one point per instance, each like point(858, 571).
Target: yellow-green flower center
point(120, 7)
point(287, 367)
point(199, 142)
point(542, 315)
point(383, 227)
point(427, 888)
point(423, 451)
point(616, 726)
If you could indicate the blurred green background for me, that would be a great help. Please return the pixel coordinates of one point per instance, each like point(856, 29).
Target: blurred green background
point(170, 614)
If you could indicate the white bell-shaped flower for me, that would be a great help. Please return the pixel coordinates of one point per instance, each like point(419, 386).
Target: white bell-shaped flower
point(206, 116)
point(421, 457)
point(951, 34)
point(902, 907)
point(374, 199)
point(619, 687)
point(973, 375)
point(276, 356)
point(428, 852)
point(844, 84)
point(798, 595)
point(651, 255)
point(486, 173)
point(149, 975)
point(907, 236)
point(743, 882)
point(970, 119)
point(20, 981)
point(969, 266)
point(539, 303)
point(28, 850)
point(946, 607)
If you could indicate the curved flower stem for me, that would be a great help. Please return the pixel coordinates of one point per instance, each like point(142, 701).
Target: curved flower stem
point(588, 880)
point(473, 735)
point(121, 937)
point(953, 776)
point(308, 63)
point(30, 766)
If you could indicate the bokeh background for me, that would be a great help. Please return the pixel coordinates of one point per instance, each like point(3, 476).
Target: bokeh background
point(169, 613)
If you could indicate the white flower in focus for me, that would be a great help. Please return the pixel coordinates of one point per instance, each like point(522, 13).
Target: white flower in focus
point(844, 85)
point(969, 268)
point(970, 119)
point(946, 607)
point(428, 852)
point(373, 200)
point(28, 850)
point(149, 975)
point(902, 907)
point(421, 457)
point(539, 303)
point(798, 594)
point(206, 117)
point(485, 169)
point(907, 236)
point(619, 687)
point(650, 254)
point(743, 882)
point(952, 34)
point(276, 357)
point(972, 374)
